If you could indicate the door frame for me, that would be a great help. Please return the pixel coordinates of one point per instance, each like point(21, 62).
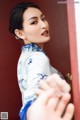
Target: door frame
point(73, 57)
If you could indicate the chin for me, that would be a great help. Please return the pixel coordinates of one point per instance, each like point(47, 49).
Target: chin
point(48, 39)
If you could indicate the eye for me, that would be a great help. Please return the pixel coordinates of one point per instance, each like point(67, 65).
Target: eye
point(34, 22)
point(44, 18)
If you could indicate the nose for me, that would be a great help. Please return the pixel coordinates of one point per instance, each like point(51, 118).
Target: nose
point(43, 25)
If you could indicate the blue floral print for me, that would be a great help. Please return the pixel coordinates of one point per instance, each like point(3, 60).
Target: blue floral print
point(33, 66)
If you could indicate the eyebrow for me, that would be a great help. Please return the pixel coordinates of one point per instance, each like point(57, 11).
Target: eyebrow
point(32, 18)
point(35, 17)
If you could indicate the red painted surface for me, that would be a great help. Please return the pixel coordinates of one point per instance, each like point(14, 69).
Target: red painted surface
point(74, 57)
point(57, 50)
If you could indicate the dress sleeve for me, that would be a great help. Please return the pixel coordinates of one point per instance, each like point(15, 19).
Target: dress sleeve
point(35, 69)
point(38, 68)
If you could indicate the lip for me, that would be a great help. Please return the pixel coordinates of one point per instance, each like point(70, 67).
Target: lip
point(45, 33)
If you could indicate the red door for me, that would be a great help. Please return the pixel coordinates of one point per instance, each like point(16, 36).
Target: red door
point(57, 50)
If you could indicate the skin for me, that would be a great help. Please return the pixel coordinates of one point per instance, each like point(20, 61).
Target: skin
point(34, 24)
point(49, 107)
point(53, 98)
point(55, 82)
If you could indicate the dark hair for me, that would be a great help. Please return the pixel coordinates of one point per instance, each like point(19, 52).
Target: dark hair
point(16, 17)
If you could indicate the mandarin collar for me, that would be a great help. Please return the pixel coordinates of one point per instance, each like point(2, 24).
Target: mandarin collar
point(31, 47)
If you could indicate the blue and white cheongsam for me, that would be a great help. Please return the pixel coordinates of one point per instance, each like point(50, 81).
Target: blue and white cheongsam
point(33, 66)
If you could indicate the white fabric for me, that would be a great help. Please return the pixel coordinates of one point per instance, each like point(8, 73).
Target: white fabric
point(33, 66)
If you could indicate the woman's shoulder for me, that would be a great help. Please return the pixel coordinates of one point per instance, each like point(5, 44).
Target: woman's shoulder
point(39, 55)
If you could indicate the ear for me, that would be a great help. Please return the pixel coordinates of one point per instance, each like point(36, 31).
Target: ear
point(19, 34)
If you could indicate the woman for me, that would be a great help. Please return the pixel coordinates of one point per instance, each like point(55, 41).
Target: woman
point(29, 24)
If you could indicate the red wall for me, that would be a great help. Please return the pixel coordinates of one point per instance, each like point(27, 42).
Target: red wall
point(57, 50)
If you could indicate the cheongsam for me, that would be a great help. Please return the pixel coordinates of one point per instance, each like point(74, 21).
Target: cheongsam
point(33, 66)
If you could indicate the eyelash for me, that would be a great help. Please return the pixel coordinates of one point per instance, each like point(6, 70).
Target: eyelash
point(35, 22)
point(44, 19)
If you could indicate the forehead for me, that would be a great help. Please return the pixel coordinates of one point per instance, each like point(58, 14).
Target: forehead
point(31, 12)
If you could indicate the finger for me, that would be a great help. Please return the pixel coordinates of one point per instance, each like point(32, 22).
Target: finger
point(44, 85)
point(69, 112)
point(57, 93)
point(45, 96)
point(55, 80)
point(52, 103)
point(62, 84)
point(38, 92)
point(62, 104)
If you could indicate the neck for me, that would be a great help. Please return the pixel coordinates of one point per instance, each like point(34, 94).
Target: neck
point(41, 45)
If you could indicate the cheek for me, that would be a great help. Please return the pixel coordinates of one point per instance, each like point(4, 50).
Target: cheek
point(33, 31)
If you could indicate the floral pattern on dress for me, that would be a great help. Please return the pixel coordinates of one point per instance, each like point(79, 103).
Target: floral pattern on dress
point(33, 66)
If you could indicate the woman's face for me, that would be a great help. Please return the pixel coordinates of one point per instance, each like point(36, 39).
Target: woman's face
point(35, 27)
